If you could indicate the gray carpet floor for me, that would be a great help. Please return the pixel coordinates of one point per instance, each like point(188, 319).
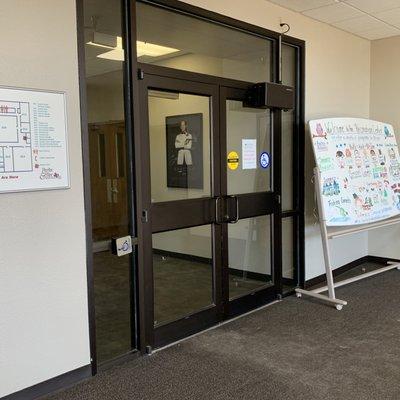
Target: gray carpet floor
point(294, 349)
point(181, 288)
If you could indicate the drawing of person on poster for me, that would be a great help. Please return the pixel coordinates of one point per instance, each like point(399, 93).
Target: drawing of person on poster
point(184, 151)
point(340, 159)
point(183, 142)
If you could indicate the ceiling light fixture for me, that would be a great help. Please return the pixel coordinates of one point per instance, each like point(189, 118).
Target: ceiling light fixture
point(104, 40)
point(116, 51)
point(153, 50)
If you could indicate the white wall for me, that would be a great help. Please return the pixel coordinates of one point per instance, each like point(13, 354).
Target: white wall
point(43, 291)
point(337, 84)
point(43, 296)
point(385, 106)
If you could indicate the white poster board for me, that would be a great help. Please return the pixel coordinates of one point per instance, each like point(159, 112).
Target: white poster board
point(33, 140)
point(360, 169)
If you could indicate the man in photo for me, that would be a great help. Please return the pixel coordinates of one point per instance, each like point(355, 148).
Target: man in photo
point(183, 142)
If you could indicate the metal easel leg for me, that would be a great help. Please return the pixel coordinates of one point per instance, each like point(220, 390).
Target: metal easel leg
point(331, 298)
point(389, 267)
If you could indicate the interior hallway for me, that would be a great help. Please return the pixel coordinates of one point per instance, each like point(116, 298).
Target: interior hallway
point(295, 349)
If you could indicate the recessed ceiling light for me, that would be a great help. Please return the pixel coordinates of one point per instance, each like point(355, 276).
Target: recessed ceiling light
point(153, 50)
point(115, 55)
point(105, 40)
point(116, 52)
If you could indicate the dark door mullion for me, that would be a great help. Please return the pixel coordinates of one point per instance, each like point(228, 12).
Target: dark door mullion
point(276, 236)
point(223, 93)
point(144, 205)
point(216, 147)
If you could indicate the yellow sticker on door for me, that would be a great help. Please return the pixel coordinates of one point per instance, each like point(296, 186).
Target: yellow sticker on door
point(233, 160)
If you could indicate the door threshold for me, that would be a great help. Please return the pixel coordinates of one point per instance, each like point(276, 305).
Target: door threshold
point(121, 359)
point(218, 325)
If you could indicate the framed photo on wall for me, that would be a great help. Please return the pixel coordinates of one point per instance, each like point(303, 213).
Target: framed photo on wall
point(185, 151)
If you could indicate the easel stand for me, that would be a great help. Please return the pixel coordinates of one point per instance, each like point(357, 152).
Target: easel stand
point(331, 298)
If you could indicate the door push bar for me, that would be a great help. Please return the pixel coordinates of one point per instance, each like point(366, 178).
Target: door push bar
point(236, 220)
point(226, 218)
point(217, 208)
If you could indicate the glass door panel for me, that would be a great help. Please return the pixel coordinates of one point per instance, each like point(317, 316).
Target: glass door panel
point(109, 175)
point(180, 169)
point(287, 160)
point(183, 273)
point(289, 77)
point(251, 212)
point(177, 40)
point(250, 266)
point(288, 259)
point(179, 129)
point(248, 135)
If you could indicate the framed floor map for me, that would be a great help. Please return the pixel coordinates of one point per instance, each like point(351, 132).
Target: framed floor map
point(33, 140)
point(360, 169)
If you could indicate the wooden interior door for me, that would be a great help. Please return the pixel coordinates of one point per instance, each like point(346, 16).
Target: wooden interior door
point(108, 180)
point(118, 179)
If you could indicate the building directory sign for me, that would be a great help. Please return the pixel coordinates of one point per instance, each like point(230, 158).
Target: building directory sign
point(33, 140)
point(359, 166)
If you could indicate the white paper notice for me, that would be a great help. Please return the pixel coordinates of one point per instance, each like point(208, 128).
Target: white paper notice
point(249, 153)
point(33, 140)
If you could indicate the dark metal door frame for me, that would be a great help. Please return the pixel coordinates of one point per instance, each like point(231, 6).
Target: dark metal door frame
point(172, 215)
point(163, 216)
point(253, 205)
point(133, 118)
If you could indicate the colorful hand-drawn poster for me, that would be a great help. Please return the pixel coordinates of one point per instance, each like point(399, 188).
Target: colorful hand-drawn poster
point(359, 164)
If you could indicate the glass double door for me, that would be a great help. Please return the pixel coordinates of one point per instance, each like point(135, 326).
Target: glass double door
point(210, 216)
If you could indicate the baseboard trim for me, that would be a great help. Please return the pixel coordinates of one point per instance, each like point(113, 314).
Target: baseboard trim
point(182, 256)
point(341, 270)
point(203, 260)
point(257, 276)
point(382, 260)
point(288, 281)
point(60, 382)
point(132, 355)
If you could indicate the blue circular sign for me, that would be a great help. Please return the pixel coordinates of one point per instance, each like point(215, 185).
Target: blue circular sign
point(265, 160)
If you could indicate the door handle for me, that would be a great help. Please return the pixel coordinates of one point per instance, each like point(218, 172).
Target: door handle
point(217, 210)
point(109, 191)
point(236, 220)
point(114, 190)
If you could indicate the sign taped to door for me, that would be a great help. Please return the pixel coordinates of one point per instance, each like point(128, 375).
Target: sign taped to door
point(249, 153)
point(233, 160)
point(33, 140)
point(359, 163)
point(265, 160)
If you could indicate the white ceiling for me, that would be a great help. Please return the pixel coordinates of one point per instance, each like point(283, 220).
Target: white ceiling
point(370, 19)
